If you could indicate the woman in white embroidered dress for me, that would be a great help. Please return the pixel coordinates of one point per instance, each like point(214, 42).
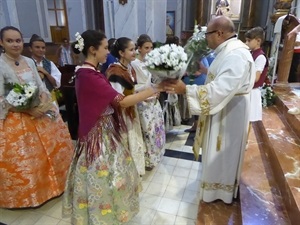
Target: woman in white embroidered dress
point(122, 77)
point(150, 111)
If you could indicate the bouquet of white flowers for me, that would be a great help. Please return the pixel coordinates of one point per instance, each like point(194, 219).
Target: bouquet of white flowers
point(196, 48)
point(166, 62)
point(22, 96)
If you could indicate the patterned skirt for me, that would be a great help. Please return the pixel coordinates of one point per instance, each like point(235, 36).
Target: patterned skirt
point(34, 157)
point(104, 191)
point(153, 128)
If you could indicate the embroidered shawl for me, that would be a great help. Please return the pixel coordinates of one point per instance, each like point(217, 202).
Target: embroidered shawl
point(116, 73)
point(94, 94)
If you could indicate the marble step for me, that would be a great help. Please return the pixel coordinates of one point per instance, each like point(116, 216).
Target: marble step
point(260, 198)
point(287, 99)
point(283, 153)
point(270, 182)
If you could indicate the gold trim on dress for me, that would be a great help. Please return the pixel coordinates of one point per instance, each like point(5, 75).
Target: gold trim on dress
point(217, 186)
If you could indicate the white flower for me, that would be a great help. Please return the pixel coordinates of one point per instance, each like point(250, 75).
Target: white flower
point(167, 61)
point(29, 91)
point(196, 29)
point(267, 95)
point(166, 57)
point(80, 42)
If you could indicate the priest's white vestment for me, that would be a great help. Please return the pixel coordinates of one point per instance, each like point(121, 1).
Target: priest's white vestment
point(223, 104)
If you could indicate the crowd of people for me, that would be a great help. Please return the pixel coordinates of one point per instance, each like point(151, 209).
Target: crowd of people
point(122, 121)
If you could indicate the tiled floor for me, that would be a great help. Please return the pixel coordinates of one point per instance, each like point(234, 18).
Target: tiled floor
point(170, 193)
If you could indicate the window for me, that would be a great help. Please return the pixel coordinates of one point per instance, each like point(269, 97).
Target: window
point(56, 12)
point(58, 20)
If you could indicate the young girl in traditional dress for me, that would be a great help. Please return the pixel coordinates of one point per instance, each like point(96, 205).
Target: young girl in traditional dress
point(150, 111)
point(123, 79)
point(35, 150)
point(102, 185)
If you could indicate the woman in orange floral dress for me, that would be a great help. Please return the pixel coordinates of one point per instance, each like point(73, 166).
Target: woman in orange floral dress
point(35, 147)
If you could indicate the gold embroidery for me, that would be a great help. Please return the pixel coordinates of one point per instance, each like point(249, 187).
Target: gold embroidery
point(219, 141)
point(221, 130)
point(201, 124)
point(211, 76)
point(241, 94)
point(204, 104)
point(199, 136)
point(216, 186)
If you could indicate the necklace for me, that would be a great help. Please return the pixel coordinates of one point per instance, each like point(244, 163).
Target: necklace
point(142, 59)
point(16, 61)
point(124, 66)
point(90, 64)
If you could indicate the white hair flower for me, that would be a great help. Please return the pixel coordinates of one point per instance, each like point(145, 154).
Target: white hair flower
point(80, 42)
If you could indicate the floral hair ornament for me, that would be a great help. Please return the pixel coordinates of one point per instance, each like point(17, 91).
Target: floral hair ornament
point(80, 42)
point(116, 43)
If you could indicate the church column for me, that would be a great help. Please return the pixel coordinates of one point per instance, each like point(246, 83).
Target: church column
point(248, 17)
point(202, 12)
point(286, 58)
point(282, 8)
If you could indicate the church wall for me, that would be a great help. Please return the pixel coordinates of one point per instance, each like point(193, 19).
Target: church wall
point(28, 15)
point(178, 6)
point(135, 18)
point(76, 17)
point(132, 19)
point(31, 16)
point(4, 17)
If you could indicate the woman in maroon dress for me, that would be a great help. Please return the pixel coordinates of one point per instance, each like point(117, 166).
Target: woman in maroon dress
point(102, 185)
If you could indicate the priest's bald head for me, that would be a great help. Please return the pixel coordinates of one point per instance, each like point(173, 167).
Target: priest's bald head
point(219, 29)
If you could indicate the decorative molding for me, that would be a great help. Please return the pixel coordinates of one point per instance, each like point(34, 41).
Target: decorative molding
point(123, 2)
point(282, 7)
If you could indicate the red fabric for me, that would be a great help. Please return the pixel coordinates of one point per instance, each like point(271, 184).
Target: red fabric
point(94, 93)
point(297, 50)
point(263, 75)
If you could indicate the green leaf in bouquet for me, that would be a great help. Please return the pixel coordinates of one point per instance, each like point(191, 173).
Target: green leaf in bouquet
point(18, 88)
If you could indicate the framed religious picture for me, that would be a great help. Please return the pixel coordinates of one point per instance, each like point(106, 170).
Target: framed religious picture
point(230, 8)
point(170, 23)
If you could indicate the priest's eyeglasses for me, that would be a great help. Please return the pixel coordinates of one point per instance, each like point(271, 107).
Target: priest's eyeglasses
point(210, 32)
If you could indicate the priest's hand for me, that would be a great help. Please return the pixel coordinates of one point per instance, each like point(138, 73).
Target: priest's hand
point(174, 86)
